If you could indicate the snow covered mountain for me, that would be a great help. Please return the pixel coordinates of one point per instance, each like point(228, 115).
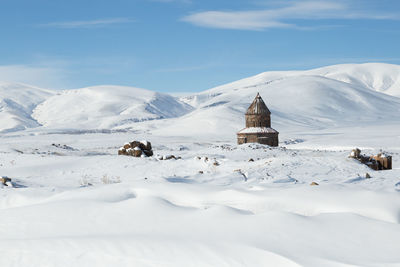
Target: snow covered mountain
point(325, 97)
point(72, 199)
point(379, 77)
point(106, 107)
point(16, 104)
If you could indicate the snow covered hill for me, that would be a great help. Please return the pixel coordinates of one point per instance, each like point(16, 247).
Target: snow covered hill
point(16, 104)
point(326, 97)
point(73, 201)
point(348, 94)
point(380, 77)
point(99, 107)
point(105, 107)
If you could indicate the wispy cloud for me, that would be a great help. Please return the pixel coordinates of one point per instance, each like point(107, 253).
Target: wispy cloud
point(43, 76)
point(63, 72)
point(283, 17)
point(97, 23)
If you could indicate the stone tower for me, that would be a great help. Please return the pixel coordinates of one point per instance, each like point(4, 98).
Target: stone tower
point(258, 125)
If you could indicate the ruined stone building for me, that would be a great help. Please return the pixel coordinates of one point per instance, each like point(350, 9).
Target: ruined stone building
point(258, 125)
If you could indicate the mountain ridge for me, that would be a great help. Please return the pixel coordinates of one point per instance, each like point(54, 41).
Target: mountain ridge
point(321, 97)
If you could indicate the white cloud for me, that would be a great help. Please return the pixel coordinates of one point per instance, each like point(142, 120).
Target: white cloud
point(280, 17)
point(87, 23)
point(62, 73)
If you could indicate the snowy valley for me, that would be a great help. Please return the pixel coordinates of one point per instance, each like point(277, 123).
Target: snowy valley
point(74, 202)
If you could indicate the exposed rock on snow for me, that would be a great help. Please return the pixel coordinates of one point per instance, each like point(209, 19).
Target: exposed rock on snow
point(190, 208)
point(136, 149)
point(168, 157)
point(4, 180)
point(64, 147)
point(381, 161)
point(159, 209)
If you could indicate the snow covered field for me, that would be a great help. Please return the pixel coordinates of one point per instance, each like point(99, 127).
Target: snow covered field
point(83, 205)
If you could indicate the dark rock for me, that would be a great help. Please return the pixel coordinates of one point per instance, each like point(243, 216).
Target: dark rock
point(134, 144)
point(122, 151)
point(148, 153)
point(136, 149)
point(4, 180)
point(137, 152)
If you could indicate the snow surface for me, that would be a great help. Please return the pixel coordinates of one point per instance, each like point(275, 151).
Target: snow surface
point(105, 107)
point(375, 76)
point(311, 99)
point(87, 206)
point(325, 97)
point(75, 202)
point(257, 130)
point(16, 104)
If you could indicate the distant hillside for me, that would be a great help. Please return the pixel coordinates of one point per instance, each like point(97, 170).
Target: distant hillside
point(379, 77)
point(325, 97)
point(16, 104)
point(106, 107)
point(348, 94)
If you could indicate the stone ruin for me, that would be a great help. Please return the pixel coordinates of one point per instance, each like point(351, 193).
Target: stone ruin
point(5, 181)
point(258, 125)
point(136, 149)
point(378, 162)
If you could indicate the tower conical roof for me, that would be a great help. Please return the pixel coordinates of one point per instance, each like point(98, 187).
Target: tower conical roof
point(258, 107)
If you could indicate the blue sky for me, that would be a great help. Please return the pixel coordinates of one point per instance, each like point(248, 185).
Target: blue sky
point(187, 45)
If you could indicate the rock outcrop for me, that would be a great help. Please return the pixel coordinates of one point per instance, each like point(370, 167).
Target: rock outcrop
point(136, 149)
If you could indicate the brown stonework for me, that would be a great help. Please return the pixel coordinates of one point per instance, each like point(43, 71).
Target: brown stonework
point(258, 125)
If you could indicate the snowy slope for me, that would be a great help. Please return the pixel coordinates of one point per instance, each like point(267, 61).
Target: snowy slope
point(331, 96)
point(306, 99)
point(16, 104)
point(380, 77)
point(80, 204)
point(105, 107)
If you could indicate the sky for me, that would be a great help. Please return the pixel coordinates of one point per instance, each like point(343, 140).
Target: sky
point(187, 45)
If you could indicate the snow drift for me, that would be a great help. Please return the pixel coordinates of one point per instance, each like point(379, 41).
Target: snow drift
point(74, 202)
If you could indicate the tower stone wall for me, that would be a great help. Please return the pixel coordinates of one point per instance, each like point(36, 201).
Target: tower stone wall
point(258, 125)
point(258, 120)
